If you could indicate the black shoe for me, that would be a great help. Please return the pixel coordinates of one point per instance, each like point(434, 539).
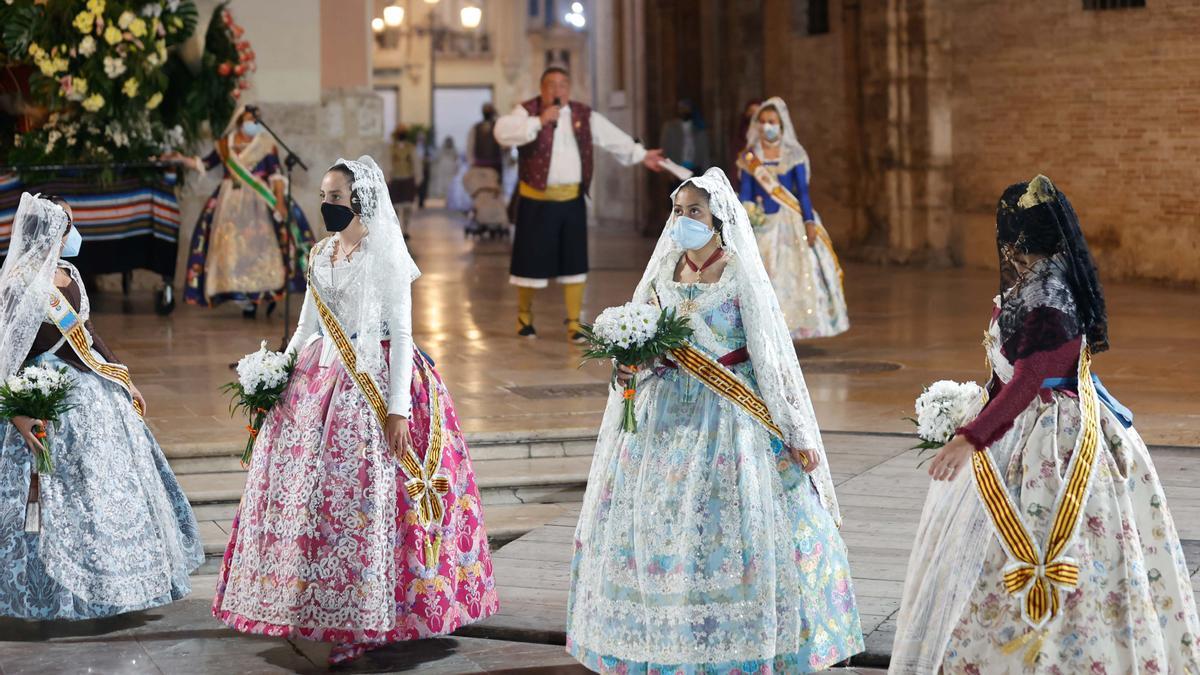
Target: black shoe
point(270, 308)
point(574, 336)
point(527, 331)
point(249, 312)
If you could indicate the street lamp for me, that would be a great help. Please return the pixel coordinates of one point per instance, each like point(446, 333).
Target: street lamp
point(393, 15)
point(471, 16)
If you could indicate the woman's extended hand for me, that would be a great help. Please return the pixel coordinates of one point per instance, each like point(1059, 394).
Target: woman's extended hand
point(951, 459)
point(810, 231)
point(808, 459)
point(397, 436)
point(28, 428)
point(137, 396)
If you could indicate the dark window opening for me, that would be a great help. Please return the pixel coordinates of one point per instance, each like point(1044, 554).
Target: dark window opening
point(1113, 4)
point(810, 17)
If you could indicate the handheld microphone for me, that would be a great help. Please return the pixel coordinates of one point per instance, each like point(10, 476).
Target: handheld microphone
point(253, 110)
point(554, 124)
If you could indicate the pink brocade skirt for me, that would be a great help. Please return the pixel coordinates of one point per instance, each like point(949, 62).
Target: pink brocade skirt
point(327, 545)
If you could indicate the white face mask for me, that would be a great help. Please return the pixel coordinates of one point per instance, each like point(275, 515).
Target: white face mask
point(771, 132)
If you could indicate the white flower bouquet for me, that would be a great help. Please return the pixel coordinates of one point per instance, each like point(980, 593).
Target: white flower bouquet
point(41, 393)
point(262, 377)
point(631, 335)
point(942, 408)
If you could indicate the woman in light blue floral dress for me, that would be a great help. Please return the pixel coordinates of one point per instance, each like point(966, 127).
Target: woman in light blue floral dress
point(702, 546)
point(108, 531)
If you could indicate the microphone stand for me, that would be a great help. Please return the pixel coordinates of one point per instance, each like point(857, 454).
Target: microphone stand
point(291, 159)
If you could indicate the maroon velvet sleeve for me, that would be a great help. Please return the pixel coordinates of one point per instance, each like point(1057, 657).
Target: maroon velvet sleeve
point(1015, 395)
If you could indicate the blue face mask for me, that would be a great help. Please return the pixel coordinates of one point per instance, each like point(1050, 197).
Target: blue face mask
point(690, 233)
point(74, 241)
point(251, 128)
point(771, 132)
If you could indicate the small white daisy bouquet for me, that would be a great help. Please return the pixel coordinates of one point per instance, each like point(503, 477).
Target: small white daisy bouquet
point(942, 408)
point(262, 377)
point(631, 335)
point(41, 393)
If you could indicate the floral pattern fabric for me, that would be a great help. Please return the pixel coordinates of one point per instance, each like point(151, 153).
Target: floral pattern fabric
point(690, 556)
point(1133, 610)
point(327, 545)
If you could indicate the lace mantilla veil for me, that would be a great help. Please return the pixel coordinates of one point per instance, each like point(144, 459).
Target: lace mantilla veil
point(776, 367)
point(387, 263)
point(28, 277)
point(791, 152)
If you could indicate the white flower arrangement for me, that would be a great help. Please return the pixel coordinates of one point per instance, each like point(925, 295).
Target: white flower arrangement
point(262, 370)
point(629, 325)
point(943, 408)
point(631, 335)
point(262, 378)
point(41, 393)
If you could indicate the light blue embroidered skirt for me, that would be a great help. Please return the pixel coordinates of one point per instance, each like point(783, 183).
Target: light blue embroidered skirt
point(117, 533)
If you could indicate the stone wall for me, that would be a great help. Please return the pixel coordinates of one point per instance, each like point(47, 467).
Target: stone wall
point(917, 114)
point(1106, 103)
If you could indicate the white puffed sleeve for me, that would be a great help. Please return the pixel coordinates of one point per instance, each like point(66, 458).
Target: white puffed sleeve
point(306, 326)
point(516, 128)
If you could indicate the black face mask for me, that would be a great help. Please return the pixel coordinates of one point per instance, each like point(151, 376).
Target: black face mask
point(336, 216)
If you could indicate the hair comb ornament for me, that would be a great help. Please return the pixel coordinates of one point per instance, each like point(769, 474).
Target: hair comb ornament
point(1040, 191)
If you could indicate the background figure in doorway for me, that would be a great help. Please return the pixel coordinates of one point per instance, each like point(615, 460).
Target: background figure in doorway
point(555, 139)
point(445, 167)
point(406, 175)
point(241, 248)
point(482, 147)
point(685, 138)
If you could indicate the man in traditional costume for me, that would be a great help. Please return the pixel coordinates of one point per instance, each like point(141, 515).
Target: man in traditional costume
point(555, 139)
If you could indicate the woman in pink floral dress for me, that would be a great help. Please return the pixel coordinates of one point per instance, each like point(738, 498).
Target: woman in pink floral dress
point(361, 523)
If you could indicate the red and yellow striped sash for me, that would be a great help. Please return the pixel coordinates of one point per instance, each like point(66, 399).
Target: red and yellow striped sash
point(63, 316)
point(1036, 576)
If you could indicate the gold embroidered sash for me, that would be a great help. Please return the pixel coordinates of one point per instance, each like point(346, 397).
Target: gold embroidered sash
point(426, 484)
point(64, 317)
point(1036, 576)
point(724, 383)
point(750, 163)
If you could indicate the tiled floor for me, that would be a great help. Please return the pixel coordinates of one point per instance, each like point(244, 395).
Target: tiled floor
point(927, 321)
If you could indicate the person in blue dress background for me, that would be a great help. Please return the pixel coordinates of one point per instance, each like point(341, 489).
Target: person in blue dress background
point(795, 248)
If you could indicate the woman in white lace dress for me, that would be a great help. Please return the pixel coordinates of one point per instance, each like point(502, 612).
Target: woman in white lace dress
point(109, 530)
point(702, 546)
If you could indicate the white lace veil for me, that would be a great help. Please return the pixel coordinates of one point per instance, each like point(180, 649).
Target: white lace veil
point(387, 262)
point(791, 153)
point(27, 277)
point(776, 367)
